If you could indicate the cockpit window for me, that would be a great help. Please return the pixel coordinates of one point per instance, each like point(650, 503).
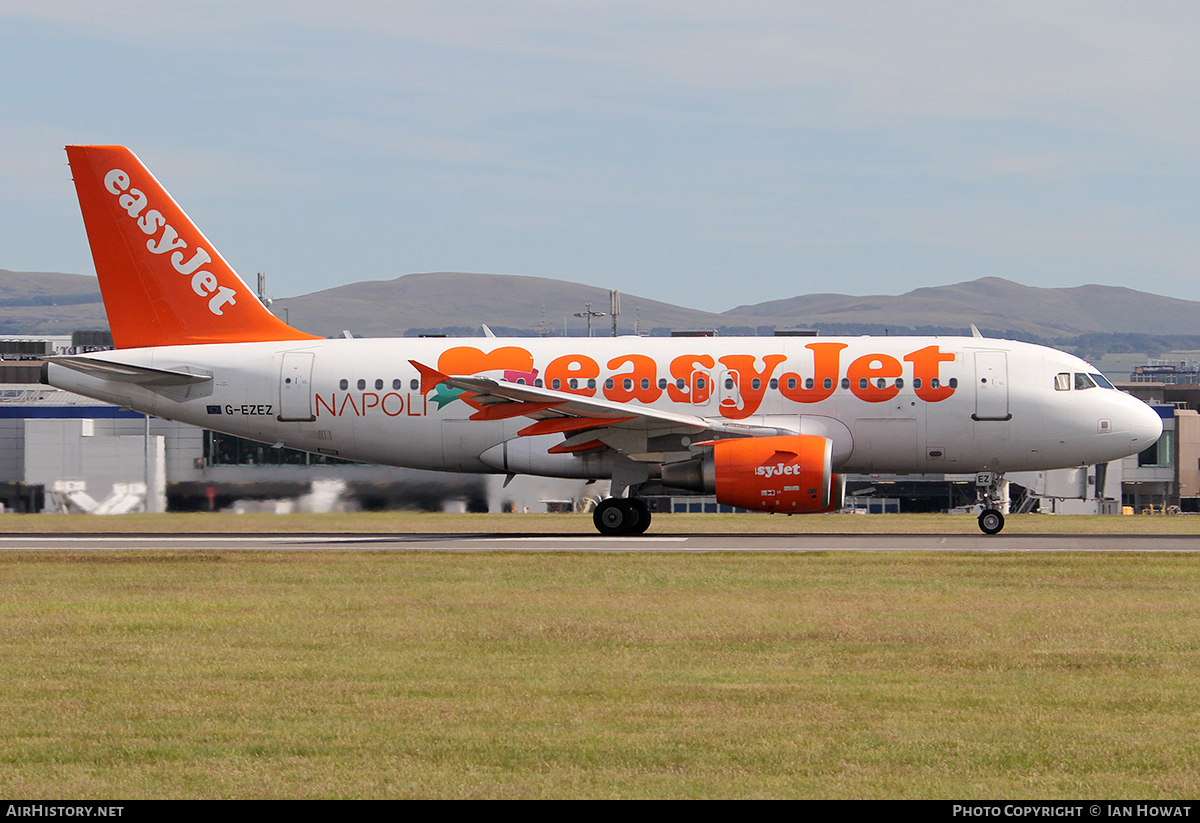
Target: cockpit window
point(1082, 381)
point(1062, 381)
point(1101, 381)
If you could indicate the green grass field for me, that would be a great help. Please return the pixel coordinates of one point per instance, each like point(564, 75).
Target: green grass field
point(359, 674)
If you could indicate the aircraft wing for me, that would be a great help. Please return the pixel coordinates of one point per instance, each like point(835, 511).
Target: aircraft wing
point(586, 421)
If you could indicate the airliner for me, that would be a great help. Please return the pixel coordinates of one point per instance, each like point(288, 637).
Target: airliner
point(763, 423)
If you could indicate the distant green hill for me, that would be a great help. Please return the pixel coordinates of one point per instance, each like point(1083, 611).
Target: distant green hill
point(995, 303)
point(1089, 319)
point(455, 301)
point(39, 302)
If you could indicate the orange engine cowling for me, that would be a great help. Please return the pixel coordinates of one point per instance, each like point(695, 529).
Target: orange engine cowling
point(788, 473)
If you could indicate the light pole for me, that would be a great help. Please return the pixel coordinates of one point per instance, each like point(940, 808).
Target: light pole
point(589, 314)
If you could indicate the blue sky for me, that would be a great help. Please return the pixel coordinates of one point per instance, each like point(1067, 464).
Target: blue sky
point(709, 154)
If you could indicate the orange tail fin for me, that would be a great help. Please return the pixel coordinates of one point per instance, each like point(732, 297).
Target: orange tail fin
point(163, 283)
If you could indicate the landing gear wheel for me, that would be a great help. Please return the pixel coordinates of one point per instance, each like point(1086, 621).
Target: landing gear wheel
point(616, 516)
point(643, 515)
point(991, 521)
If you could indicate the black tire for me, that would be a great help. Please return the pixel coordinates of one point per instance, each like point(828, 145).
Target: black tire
point(615, 517)
point(991, 521)
point(643, 515)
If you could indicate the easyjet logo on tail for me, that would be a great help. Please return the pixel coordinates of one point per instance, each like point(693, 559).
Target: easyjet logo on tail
point(165, 239)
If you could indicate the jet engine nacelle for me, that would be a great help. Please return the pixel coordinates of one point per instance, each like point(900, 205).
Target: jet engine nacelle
point(788, 473)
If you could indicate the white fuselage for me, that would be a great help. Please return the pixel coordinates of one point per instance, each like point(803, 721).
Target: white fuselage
point(902, 405)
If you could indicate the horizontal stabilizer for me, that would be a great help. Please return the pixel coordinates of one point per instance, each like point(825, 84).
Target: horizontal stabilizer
point(125, 373)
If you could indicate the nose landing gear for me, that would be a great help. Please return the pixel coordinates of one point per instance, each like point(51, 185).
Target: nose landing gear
point(991, 521)
point(621, 516)
point(993, 496)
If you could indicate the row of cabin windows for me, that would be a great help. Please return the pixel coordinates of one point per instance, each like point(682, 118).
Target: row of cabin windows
point(701, 383)
point(397, 384)
point(755, 383)
point(1063, 381)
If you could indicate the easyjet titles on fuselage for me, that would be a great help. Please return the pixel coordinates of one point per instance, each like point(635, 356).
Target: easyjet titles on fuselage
point(874, 378)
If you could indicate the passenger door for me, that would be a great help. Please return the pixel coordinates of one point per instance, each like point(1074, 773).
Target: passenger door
point(991, 386)
point(295, 387)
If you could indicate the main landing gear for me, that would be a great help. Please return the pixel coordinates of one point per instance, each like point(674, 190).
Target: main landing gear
point(619, 516)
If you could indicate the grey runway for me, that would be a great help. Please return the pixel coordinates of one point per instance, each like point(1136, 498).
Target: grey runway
point(594, 543)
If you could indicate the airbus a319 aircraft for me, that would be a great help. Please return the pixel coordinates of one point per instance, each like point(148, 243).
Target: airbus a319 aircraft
point(764, 423)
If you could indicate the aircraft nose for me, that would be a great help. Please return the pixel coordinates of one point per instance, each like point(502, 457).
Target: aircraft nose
point(1145, 426)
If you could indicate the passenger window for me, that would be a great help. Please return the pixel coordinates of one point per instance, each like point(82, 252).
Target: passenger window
point(1082, 381)
point(1062, 381)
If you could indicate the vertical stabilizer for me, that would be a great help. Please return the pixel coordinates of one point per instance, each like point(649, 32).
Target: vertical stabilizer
point(163, 283)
